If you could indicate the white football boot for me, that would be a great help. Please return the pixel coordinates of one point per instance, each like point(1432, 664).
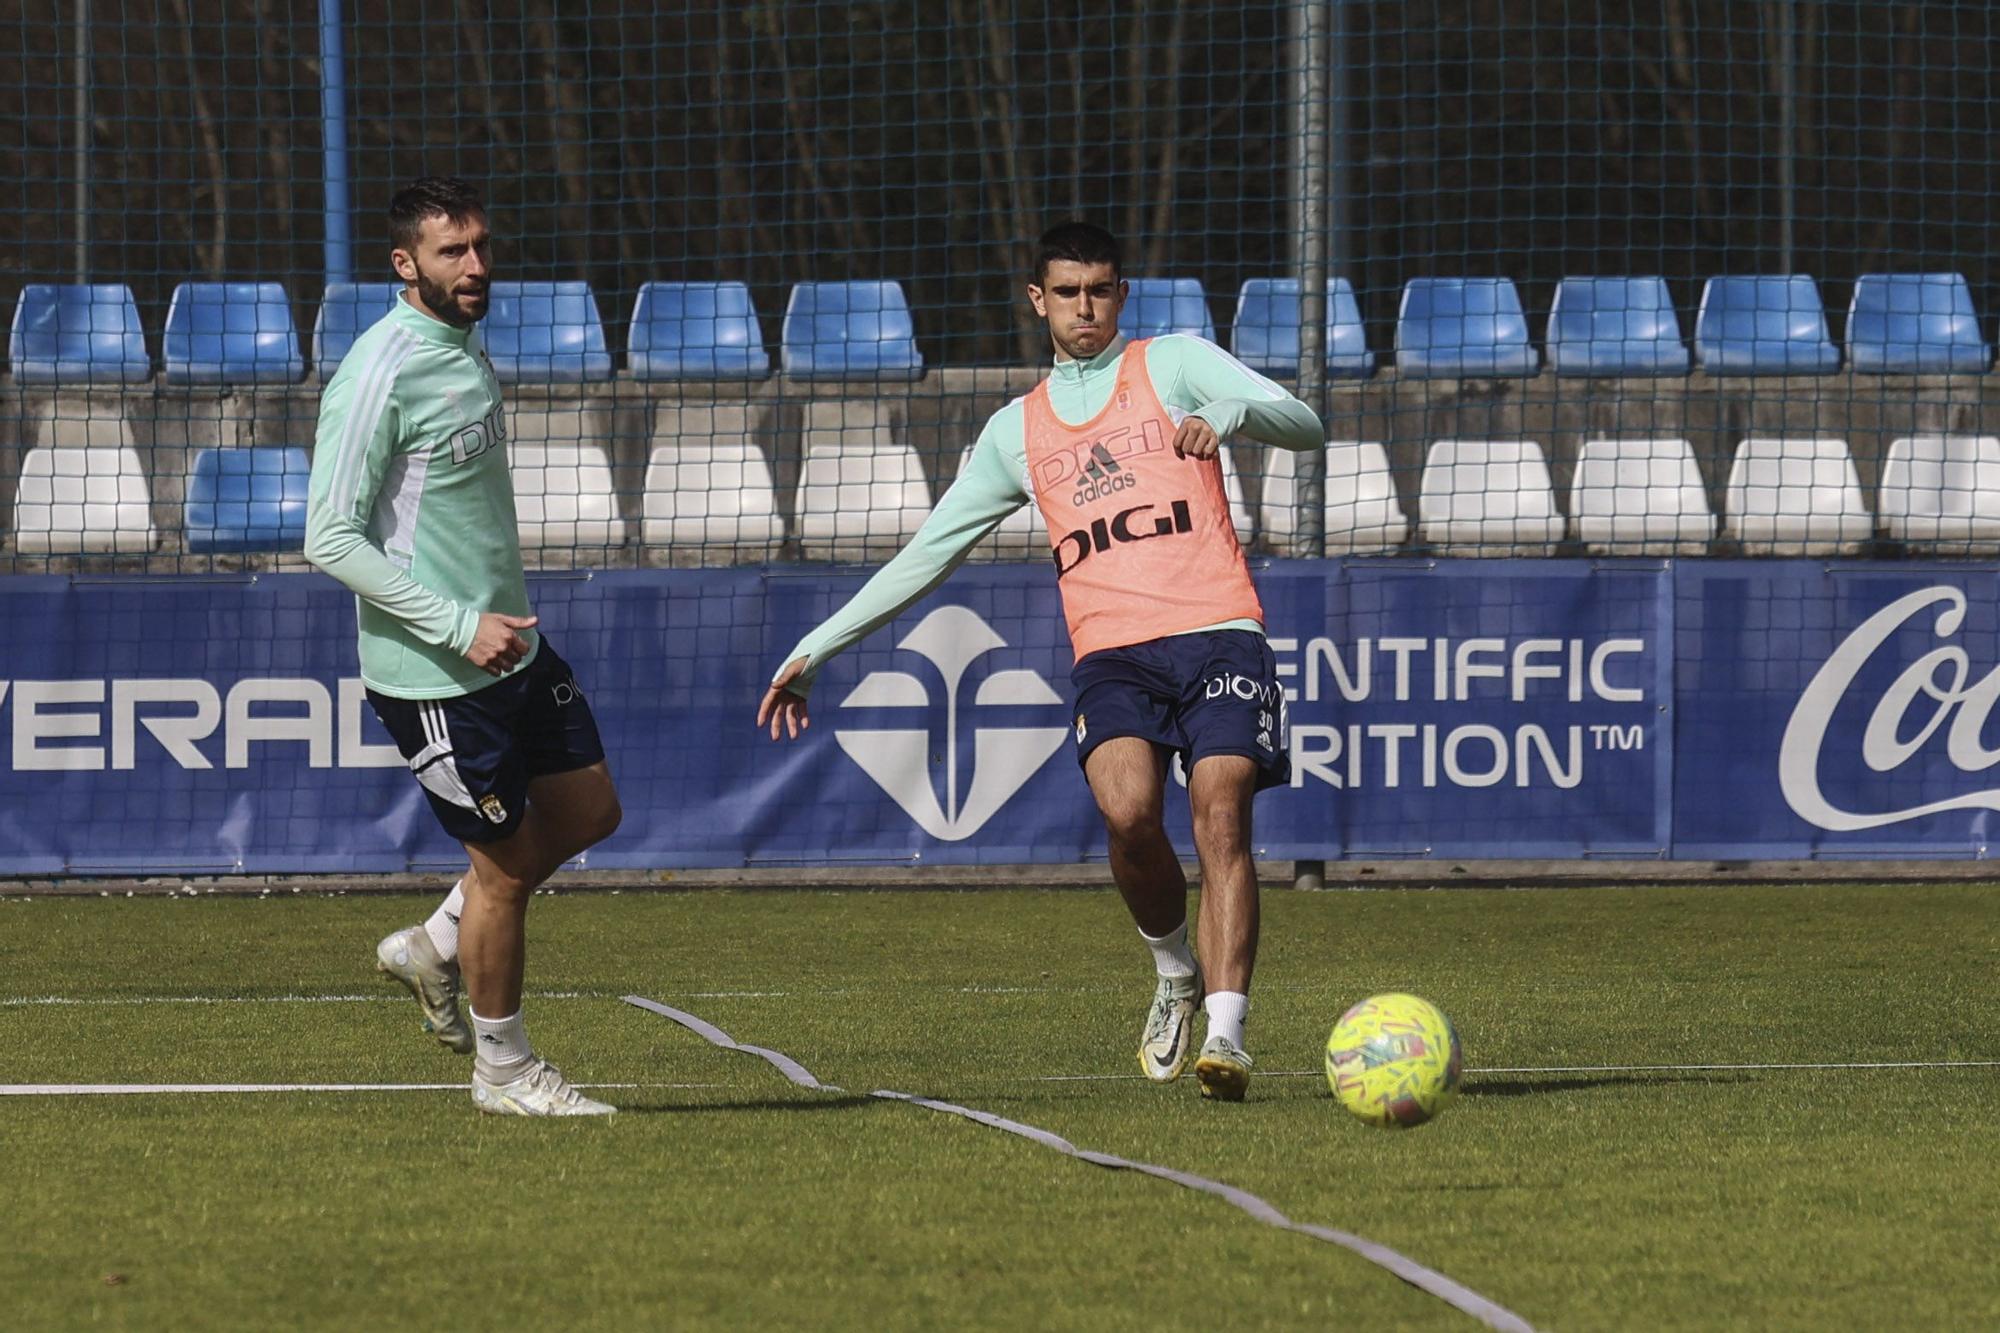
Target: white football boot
point(1169, 1034)
point(1222, 1070)
point(538, 1089)
point(408, 956)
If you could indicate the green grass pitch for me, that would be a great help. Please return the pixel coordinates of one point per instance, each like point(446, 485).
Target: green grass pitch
point(726, 1198)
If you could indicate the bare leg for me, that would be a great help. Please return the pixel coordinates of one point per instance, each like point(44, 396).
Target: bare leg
point(567, 812)
point(1219, 792)
point(1128, 775)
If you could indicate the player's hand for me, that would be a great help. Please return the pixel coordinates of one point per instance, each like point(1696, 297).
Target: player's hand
point(497, 647)
point(781, 707)
point(1196, 439)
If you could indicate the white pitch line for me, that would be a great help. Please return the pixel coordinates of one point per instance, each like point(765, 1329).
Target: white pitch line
point(140, 1089)
point(1581, 1069)
point(1695, 1069)
point(383, 997)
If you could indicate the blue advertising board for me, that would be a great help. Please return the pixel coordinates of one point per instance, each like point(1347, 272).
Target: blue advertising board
point(1835, 711)
point(1492, 709)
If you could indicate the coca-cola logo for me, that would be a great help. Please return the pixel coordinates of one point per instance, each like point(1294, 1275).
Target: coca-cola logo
point(1934, 693)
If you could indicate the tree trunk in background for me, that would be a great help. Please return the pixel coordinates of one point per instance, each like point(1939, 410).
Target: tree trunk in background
point(561, 78)
point(213, 255)
point(280, 234)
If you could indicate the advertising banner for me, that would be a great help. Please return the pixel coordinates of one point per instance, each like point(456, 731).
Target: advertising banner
point(1836, 710)
point(1490, 709)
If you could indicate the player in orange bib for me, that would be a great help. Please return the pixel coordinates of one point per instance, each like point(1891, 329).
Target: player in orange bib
point(1120, 449)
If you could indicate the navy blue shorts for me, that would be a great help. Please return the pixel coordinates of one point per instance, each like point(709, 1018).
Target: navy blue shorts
point(475, 754)
point(1193, 694)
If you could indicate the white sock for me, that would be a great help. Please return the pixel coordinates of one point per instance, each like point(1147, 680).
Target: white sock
point(1226, 1011)
point(1170, 952)
point(443, 924)
point(502, 1041)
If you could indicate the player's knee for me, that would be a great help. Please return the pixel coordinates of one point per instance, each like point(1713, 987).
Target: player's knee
point(500, 886)
point(1132, 823)
point(1221, 829)
point(608, 816)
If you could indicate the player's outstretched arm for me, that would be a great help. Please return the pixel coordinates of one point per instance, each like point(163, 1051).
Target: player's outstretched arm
point(989, 487)
point(781, 707)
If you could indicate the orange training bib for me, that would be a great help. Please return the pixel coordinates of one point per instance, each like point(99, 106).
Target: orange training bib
point(1142, 539)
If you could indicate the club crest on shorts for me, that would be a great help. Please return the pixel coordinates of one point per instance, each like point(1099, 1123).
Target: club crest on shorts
point(1080, 729)
point(491, 809)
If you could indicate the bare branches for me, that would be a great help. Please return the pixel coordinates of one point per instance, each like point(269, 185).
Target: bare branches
point(1164, 195)
point(212, 254)
point(560, 84)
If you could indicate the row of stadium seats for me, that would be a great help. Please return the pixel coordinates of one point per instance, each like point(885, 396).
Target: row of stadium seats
point(534, 332)
point(1447, 328)
point(861, 494)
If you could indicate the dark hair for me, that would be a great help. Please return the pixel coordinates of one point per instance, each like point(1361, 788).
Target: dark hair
point(1077, 242)
point(432, 197)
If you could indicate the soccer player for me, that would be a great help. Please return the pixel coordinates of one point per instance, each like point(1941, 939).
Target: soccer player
point(1119, 449)
point(412, 507)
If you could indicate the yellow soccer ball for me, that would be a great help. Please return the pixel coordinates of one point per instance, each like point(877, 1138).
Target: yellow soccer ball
point(1394, 1061)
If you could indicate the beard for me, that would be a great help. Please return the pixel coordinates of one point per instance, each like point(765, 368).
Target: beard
point(440, 301)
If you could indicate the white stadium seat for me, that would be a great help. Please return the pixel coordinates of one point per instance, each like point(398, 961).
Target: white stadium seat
point(564, 496)
point(1488, 498)
point(861, 493)
point(83, 489)
point(1641, 497)
point(1943, 491)
point(1362, 515)
point(708, 486)
point(1795, 497)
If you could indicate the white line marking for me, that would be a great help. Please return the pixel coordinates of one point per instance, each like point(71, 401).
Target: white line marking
point(382, 997)
point(1575, 1069)
point(139, 1089)
point(1409, 1270)
point(1685, 1069)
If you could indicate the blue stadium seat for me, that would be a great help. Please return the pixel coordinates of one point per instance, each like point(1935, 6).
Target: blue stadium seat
point(1166, 305)
point(231, 333)
point(83, 334)
point(348, 310)
point(1766, 325)
point(248, 500)
point(1615, 326)
point(1266, 333)
point(697, 331)
point(1915, 324)
point(545, 333)
point(850, 330)
point(1463, 328)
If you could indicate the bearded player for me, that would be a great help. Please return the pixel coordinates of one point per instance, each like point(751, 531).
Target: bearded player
point(412, 507)
point(1119, 447)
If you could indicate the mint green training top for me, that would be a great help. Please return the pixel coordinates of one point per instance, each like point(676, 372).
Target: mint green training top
point(412, 505)
point(1192, 376)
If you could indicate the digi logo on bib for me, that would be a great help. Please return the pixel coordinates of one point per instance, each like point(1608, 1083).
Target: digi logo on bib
point(904, 761)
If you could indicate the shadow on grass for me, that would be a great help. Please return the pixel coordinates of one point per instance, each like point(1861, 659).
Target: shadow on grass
point(1535, 1087)
point(761, 1104)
